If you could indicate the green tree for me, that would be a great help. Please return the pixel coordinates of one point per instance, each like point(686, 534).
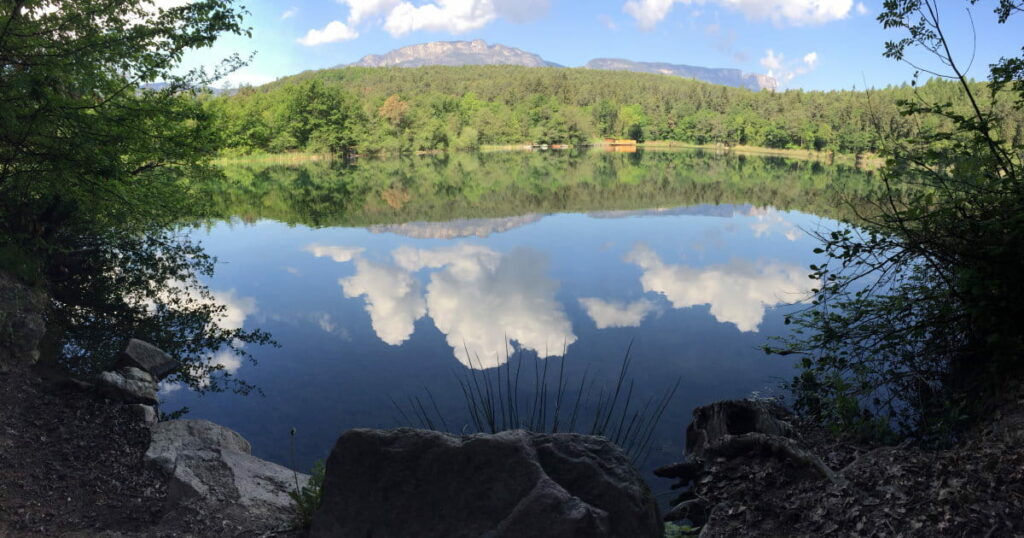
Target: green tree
point(98, 164)
point(916, 321)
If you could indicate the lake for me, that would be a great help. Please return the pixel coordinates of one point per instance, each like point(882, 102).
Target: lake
point(388, 282)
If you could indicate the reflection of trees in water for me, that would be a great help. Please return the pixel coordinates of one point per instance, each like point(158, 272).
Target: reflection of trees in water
point(147, 286)
point(487, 185)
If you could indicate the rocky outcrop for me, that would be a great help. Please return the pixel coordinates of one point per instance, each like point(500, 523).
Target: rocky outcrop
point(21, 323)
point(128, 385)
point(210, 466)
point(724, 76)
point(174, 437)
point(400, 483)
point(146, 356)
point(476, 52)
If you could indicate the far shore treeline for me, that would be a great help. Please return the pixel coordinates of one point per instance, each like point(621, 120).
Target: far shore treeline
point(391, 110)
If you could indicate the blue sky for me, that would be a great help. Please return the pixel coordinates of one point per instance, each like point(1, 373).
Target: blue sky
point(810, 44)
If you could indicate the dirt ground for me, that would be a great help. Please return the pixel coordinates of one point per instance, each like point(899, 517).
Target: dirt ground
point(71, 463)
point(975, 489)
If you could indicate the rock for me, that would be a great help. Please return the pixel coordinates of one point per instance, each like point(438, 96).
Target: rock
point(148, 357)
point(128, 385)
point(176, 436)
point(210, 466)
point(259, 488)
point(21, 323)
point(508, 484)
point(714, 422)
point(144, 413)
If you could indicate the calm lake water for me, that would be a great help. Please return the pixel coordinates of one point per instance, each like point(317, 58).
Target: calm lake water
point(387, 280)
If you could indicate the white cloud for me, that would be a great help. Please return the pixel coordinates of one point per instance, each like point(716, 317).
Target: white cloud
point(393, 299)
point(505, 297)
point(738, 293)
point(785, 71)
point(467, 262)
point(862, 9)
point(245, 77)
point(290, 13)
point(168, 387)
point(771, 62)
point(360, 10)
point(649, 13)
point(326, 322)
point(336, 253)
point(334, 31)
point(236, 308)
point(772, 220)
point(454, 16)
point(811, 60)
point(479, 298)
point(615, 314)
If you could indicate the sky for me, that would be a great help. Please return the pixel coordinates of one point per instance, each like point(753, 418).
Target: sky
point(809, 44)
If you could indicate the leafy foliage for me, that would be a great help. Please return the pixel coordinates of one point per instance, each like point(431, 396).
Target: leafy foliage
point(916, 324)
point(438, 107)
point(98, 166)
point(307, 498)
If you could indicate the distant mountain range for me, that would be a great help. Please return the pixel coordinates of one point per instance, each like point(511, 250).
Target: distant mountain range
point(714, 75)
point(478, 52)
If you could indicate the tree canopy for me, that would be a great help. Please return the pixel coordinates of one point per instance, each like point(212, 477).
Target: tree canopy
point(438, 107)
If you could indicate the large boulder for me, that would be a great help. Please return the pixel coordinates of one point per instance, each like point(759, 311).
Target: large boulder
point(210, 467)
point(148, 357)
point(173, 437)
point(21, 323)
point(128, 385)
point(405, 482)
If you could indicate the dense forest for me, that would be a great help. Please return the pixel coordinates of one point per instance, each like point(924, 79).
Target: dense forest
point(367, 110)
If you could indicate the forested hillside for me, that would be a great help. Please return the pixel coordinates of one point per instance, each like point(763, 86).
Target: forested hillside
point(438, 107)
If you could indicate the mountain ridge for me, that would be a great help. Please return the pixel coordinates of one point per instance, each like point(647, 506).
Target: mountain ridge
point(476, 52)
point(479, 52)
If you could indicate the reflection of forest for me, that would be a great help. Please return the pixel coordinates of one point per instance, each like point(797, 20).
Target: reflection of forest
point(472, 186)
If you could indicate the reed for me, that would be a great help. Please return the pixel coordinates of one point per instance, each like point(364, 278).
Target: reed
point(544, 401)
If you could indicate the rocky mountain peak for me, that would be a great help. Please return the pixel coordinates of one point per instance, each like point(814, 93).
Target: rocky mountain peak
point(476, 52)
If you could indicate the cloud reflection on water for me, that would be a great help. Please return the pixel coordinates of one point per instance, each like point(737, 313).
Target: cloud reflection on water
point(477, 297)
point(738, 292)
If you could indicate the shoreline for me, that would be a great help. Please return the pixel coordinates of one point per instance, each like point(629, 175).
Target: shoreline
point(867, 161)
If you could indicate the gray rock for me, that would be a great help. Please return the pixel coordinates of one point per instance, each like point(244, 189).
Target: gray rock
point(128, 385)
point(210, 466)
point(21, 323)
point(170, 438)
point(144, 413)
point(228, 476)
point(148, 357)
point(509, 484)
